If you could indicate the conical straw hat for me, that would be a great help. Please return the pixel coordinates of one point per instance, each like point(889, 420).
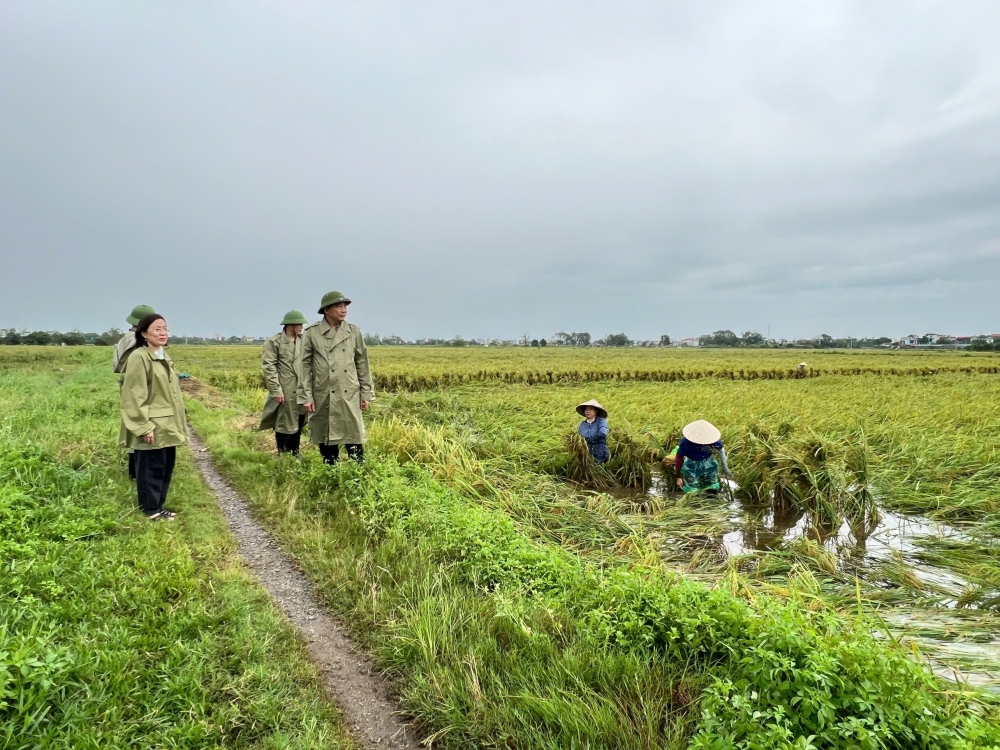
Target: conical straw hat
point(803, 364)
point(701, 432)
point(601, 411)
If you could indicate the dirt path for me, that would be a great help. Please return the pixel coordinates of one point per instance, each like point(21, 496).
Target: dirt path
point(348, 675)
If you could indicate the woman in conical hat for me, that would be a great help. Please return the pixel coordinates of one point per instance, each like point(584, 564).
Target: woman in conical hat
point(696, 464)
point(594, 429)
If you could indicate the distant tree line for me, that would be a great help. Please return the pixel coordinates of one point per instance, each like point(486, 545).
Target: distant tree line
point(727, 338)
point(984, 346)
point(724, 339)
point(571, 339)
point(15, 337)
point(373, 339)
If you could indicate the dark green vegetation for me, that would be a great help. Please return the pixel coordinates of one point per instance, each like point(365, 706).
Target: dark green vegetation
point(512, 611)
point(14, 337)
point(118, 633)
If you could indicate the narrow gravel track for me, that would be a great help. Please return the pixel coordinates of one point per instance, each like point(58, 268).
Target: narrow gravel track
point(348, 675)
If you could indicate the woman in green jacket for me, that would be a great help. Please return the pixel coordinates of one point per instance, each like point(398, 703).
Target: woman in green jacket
point(153, 414)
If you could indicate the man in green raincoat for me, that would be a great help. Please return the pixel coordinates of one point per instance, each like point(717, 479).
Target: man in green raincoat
point(126, 344)
point(336, 381)
point(281, 361)
point(124, 347)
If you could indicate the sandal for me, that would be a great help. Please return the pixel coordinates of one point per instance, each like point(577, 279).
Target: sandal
point(154, 516)
point(167, 513)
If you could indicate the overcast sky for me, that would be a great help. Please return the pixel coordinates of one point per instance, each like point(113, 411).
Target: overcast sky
point(505, 168)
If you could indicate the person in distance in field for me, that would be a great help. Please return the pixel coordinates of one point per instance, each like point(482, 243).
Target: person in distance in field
point(594, 429)
point(281, 361)
point(695, 463)
point(336, 385)
point(124, 347)
point(802, 370)
point(154, 415)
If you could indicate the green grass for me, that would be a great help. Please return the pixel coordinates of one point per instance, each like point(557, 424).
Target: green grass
point(496, 628)
point(118, 633)
point(511, 610)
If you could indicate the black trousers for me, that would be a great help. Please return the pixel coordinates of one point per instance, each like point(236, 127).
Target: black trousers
point(290, 442)
point(153, 470)
point(131, 464)
point(331, 453)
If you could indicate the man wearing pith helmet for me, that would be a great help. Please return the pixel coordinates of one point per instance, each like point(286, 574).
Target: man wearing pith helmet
point(336, 381)
point(126, 344)
point(124, 347)
point(281, 362)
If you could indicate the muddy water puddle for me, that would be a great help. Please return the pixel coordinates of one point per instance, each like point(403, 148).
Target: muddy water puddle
point(917, 600)
point(895, 540)
point(731, 527)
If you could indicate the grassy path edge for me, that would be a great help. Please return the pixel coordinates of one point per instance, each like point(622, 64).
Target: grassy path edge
point(348, 675)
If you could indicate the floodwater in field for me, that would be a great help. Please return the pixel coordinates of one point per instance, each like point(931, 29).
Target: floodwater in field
point(920, 601)
point(961, 645)
point(894, 539)
point(732, 527)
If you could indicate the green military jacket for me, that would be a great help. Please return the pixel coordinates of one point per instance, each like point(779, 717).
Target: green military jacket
point(281, 361)
point(336, 378)
point(152, 401)
point(124, 347)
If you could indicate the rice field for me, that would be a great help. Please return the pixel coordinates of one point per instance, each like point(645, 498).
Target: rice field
point(842, 591)
point(866, 493)
point(421, 368)
point(826, 473)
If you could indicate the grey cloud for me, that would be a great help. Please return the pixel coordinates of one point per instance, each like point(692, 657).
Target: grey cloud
point(503, 169)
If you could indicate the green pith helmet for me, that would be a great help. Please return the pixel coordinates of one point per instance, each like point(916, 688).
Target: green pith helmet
point(331, 298)
point(138, 313)
point(294, 318)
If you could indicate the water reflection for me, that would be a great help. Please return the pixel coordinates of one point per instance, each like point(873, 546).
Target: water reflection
point(859, 551)
point(922, 603)
point(698, 534)
point(755, 528)
point(763, 528)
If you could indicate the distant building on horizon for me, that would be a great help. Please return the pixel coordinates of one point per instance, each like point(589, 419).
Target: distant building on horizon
point(939, 341)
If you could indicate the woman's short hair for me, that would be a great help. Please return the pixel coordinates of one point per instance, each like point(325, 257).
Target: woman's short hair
point(143, 326)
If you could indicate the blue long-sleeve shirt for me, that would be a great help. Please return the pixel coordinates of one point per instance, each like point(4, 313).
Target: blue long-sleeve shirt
point(596, 435)
point(698, 452)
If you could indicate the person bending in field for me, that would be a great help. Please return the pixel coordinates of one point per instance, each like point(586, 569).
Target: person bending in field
point(695, 463)
point(594, 429)
point(281, 362)
point(124, 347)
point(336, 385)
point(154, 416)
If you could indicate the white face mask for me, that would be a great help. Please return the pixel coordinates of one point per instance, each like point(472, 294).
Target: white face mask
point(158, 353)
